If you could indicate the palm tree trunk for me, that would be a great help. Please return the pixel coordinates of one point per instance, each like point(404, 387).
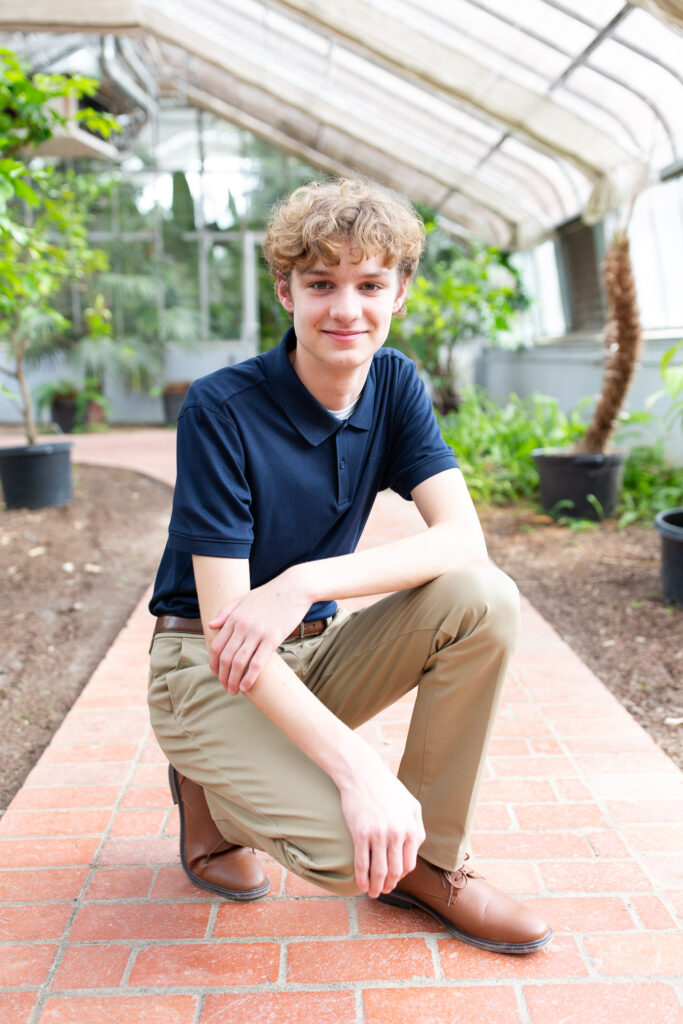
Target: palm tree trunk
point(623, 338)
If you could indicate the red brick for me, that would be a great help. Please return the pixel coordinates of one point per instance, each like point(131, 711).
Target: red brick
point(120, 884)
point(282, 917)
point(512, 876)
point(73, 774)
point(280, 1008)
point(599, 1003)
point(660, 838)
point(92, 967)
point(636, 811)
point(594, 876)
point(529, 845)
point(54, 853)
point(60, 751)
point(147, 796)
point(544, 745)
point(665, 872)
point(65, 796)
point(533, 817)
point(638, 954)
point(296, 886)
point(531, 791)
point(157, 1009)
point(172, 883)
point(375, 918)
point(25, 965)
point(583, 913)
point(573, 790)
point(491, 818)
point(16, 1007)
point(138, 823)
point(142, 850)
point(208, 964)
point(359, 960)
point(452, 1005)
point(53, 884)
point(652, 912)
point(151, 774)
point(561, 959)
point(54, 823)
point(41, 921)
point(550, 767)
point(608, 844)
point(98, 921)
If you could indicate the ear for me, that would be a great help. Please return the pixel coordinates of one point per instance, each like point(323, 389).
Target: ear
point(401, 294)
point(283, 293)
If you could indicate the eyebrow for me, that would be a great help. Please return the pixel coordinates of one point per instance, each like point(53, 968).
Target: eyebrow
point(312, 272)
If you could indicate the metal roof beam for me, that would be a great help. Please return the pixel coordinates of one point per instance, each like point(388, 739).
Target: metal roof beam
point(475, 86)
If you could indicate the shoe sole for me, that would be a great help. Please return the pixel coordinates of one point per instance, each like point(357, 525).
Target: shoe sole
point(229, 894)
point(406, 901)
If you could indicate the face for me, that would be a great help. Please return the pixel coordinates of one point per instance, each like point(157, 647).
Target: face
point(341, 314)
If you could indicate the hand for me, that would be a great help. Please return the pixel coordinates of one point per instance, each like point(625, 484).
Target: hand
point(251, 628)
point(385, 821)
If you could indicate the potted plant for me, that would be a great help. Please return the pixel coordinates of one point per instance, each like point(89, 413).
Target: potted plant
point(43, 246)
point(586, 481)
point(669, 522)
point(73, 403)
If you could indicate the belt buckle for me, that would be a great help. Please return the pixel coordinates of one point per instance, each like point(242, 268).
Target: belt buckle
point(302, 630)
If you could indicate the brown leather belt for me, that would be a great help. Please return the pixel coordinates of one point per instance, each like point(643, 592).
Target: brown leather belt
point(176, 624)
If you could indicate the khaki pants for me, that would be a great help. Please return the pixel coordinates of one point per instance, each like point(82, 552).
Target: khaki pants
point(452, 638)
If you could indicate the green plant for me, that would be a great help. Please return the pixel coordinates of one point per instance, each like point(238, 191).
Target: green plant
point(84, 392)
point(493, 443)
point(43, 221)
point(460, 295)
point(650, 484)
point(672, 378)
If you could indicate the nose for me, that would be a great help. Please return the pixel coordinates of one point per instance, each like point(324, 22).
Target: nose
point(345, 305)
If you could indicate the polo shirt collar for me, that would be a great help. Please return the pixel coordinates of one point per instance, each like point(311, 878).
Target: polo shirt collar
point(312, 421)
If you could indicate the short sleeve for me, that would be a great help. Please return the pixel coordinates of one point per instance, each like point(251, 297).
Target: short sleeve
point(211, 503)
point(418, 450)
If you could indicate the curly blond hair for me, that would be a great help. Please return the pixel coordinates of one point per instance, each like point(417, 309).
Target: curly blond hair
point(313, 222)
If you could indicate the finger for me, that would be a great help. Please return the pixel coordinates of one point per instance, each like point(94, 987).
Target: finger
point(361, 863)
point(257, 663)
point(378, 869)
point(394, 865)
point(410, 848)
point(218, 645)
point(239, 664)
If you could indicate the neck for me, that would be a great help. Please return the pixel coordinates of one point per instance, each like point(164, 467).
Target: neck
point(333, 389)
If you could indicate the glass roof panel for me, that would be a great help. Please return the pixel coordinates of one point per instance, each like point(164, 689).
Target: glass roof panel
point(556, 27)
point(645, 32)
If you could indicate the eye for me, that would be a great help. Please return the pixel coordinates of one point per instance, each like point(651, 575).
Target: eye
point(371, 286)
point(319, 286)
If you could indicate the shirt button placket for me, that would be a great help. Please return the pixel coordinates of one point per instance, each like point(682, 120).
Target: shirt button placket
point(343, 469)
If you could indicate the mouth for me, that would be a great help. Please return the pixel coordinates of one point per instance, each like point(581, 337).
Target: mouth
point(345, 336)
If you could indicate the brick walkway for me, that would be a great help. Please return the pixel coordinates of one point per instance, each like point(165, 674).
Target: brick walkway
point(580, 813)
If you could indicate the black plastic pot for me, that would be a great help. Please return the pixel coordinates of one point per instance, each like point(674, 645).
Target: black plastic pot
point(670, 526)
point(567, 480)
point(36, 475)
point(63, 412)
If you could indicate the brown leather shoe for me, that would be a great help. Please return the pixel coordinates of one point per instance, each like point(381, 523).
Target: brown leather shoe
point(470, 909)
point(210, 862)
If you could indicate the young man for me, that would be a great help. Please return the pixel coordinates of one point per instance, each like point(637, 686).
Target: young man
point(257, 678)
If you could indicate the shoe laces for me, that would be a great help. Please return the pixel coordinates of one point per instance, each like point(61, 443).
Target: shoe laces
point(457, 879)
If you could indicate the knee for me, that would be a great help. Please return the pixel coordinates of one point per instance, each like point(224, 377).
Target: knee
point(330, 865)
point(486, 594)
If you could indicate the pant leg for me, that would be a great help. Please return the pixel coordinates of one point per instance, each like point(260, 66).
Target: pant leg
point(262, 791)
point(453, 638)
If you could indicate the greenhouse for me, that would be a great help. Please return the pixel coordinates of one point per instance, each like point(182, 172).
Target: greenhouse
point(532, 131)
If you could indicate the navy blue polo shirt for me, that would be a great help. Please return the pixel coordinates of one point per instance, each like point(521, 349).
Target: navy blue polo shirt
point(266, 473)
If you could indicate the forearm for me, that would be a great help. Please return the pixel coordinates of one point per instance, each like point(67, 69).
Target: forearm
point(402, 564)
point(281, 696)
